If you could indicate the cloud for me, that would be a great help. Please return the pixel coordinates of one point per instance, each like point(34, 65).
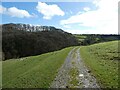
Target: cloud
point(79, 31)
point(49, 10)
point(104, 19)
point(66, 26)
point(15, 12)
point(2, 9)
point(92, 31)
point(71, 12)
point(86, 8)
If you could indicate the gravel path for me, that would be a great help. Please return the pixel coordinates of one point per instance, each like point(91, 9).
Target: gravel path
point(74, 74)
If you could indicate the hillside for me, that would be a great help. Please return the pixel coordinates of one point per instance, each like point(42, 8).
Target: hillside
point(97, 63)
point(93, 66)
point(28, 27)
point(33, 72)
point(103, 61)
point(21, 40)
point(81, 38)
point(87, 39)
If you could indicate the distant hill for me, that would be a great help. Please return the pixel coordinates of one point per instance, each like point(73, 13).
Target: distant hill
point(87, 39)
point(20, 40)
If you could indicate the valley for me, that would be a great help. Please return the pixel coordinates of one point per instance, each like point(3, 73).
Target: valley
point(93, 66)
point(54, 44)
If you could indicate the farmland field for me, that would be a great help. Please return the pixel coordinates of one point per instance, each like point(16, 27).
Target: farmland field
point(33, 72)
point(103, 61)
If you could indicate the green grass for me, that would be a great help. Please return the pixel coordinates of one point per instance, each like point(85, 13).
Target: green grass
point(74, 73)
point(0, 74)
point(80, 37)
point(74, 81)
point(103, 61)
point(33, 72)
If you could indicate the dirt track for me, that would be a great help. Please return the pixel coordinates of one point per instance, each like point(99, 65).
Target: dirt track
point(74, 74)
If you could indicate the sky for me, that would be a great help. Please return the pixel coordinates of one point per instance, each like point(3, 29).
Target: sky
point(95, 17)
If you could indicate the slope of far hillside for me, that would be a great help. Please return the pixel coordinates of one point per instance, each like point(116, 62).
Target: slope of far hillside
point(87, 39)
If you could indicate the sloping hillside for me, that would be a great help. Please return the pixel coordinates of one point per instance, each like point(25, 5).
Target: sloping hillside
point(33, 72)
point(96, 66)
point(103, 61)
point(87, 39)
point(21, 40)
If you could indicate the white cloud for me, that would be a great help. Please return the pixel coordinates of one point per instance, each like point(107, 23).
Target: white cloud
point(86, 8)
point(15, 12)
point(71, 12)
point(2, 9)
point(92, 31)
point(79, 31)
point(66, 26)
point(49, 10)
point(104, 19)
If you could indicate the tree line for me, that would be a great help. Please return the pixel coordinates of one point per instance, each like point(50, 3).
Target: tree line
point(97, 38)
point(20, 43)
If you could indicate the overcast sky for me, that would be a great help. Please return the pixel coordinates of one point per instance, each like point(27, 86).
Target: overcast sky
point(96, 17)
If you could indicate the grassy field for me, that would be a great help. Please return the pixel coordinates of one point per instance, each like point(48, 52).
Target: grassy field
point(33, 72)
point(80, 37)
point(103, 61)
